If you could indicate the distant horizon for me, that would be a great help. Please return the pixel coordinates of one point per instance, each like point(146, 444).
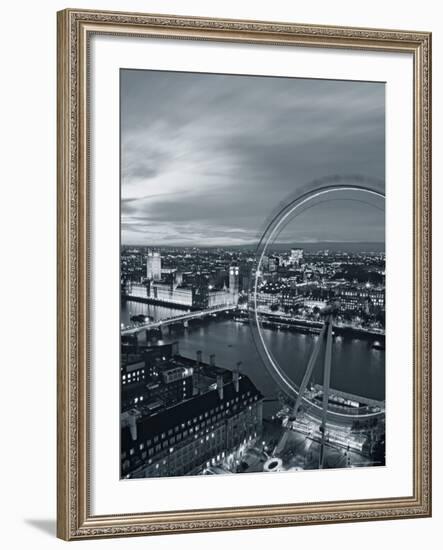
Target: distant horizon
point(289, 245)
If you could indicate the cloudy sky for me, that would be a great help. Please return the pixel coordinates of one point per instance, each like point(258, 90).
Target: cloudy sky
point(207, 159)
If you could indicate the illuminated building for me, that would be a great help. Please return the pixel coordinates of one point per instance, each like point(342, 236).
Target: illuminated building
point(178, 278)
point(196, 296)
point(296, 256)
point(184, 438)
point(313, 304)
point(138, 290)
point(219, 298)
point(267, 299)
point(143, 362)
point(133, 373)
point(173, 385)
point(361, 297)
point(154, 266)
point(234, 282)
point(290, 298)
point(155, 374)
point(167, 293)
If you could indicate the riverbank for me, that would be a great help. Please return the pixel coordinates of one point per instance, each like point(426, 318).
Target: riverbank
point(357, 367)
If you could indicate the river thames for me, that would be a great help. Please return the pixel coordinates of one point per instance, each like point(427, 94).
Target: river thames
point(356, 367)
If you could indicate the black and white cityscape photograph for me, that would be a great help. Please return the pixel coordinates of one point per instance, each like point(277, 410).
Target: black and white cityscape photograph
point(252, 270)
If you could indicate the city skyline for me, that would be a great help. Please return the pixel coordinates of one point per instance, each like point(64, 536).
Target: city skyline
point(354, 246)
point(252, 274)
point(201, 167)
point(198, 397)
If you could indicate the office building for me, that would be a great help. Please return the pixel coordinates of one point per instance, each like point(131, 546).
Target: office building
point(185, 438)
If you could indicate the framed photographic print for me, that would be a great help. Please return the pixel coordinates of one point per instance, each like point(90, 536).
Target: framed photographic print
point(243, 274)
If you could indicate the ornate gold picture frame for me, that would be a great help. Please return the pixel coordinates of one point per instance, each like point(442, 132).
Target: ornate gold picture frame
point(74, 517)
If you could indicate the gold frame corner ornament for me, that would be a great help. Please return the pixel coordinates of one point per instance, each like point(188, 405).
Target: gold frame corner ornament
point(74, 520)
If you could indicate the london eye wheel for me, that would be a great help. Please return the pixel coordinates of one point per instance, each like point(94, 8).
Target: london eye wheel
point(354, 190)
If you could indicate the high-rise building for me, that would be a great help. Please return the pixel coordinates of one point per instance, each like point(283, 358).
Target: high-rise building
point(234, 281)
point(296, 256)
point(154, 266)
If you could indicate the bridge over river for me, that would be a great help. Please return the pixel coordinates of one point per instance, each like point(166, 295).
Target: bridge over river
point(177, 319)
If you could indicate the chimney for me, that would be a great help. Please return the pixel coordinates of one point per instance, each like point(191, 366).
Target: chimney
point(199, 357)
point(133, 427)
point(212, 360)
point(220, 385)
point(236, 377)
point(129, 420)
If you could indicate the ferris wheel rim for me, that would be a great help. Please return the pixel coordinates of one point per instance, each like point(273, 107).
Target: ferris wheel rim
point(280, 377)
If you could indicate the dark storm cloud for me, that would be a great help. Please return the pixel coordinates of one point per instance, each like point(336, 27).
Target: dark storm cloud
point(206, 158)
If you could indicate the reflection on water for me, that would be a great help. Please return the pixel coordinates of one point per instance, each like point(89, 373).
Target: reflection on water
point(356, 367)
point(128, 309)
